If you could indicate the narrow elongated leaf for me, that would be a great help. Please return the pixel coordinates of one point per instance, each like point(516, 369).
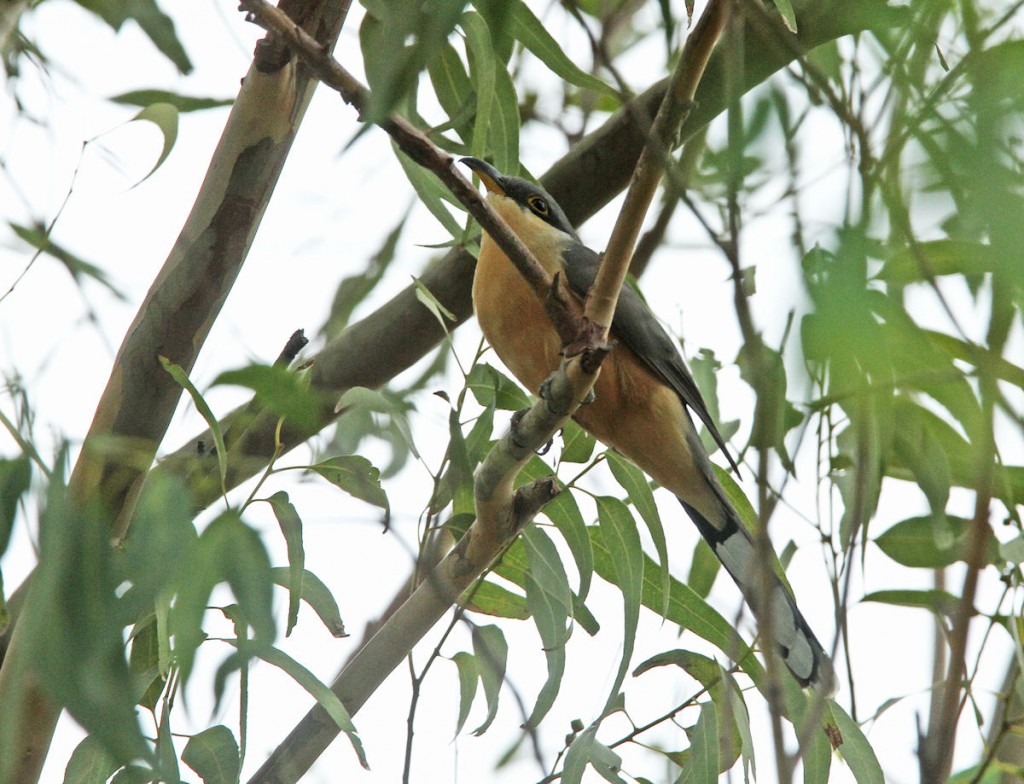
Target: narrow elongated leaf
point(634, 482)
point(281, 390)
point(15, 478)
point(469, 676)
point(577, 444)
point(431, 192)
point(565, 513)
point(550, 602)
point(358, 477)
point(702, 763)
point(856, 750)
point(491, 387)
point(532, 34)
point(931, 542)
point(89, 763)
point(452, 87)
point(491, 655)
point(316, 595)
point(685, 607)
point(503, 128)
point(204, 410)
point(157, 25)
point(320, 692)
point(618, 531)
point(483, 67)
point(183, 103)
point(228, 550)
point(213, 754)
point(291, 526)
point(165, 117)
point(817, 759)
point(166, 755)
point(939, 602)
point(38, 236)
point(74, 636)
point(493, 599)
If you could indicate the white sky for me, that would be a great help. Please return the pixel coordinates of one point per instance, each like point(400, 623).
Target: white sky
point(325, 220)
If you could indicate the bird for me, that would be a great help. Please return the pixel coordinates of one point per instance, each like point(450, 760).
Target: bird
point(642, 398)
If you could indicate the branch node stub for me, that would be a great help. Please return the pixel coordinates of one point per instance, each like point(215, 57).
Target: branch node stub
point(529, 499)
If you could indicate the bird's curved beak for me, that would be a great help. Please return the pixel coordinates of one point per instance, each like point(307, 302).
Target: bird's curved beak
point(491, 178)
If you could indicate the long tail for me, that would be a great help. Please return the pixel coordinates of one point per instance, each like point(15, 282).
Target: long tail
point(797, 645)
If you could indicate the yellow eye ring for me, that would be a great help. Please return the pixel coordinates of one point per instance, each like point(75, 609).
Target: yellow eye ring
point(538, 205)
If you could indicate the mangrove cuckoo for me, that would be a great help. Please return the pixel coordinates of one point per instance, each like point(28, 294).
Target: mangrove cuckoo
point(643, 395)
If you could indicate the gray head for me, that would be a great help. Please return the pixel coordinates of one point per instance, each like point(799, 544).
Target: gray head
point(529, 196)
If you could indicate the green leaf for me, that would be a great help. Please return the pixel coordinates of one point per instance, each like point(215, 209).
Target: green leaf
point(354, 289)
point(491, 387)
point(618, 531)
point(532, 34)
point(491, 654)
point(38, 236)
point(577, 444)
point(166, 755)
point(179, 375)
point(320, 692)
point(183, 103)
point(817, 759)
point(685, 607)
point(213, 755)
point(702, 762)
point(228, 550)
point(704, 568)
point(431, 191)
point(157, 25)
point(158, 544)
point(855, 748)
point(931, 542)
point(291, 527)
point(15, 478)
point(938, 257)
point(565, 513)
point(74, 632)
point(144, 661)
point(787, 13)
point(452, 87)
point(550, 602)
point(483, 69)
point(316, 595)
point(586, 749)
point(356, 476)
point(493, 599)
point(165, 117)
point(433, 304)
point(939, 602)
point(282, 391)
point(634, 482)
point(918, 448)
point(503, 128)
point(89, 764)
point(469, 675)
point(399, 39)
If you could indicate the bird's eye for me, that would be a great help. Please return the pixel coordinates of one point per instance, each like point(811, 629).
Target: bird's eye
point(538, 205)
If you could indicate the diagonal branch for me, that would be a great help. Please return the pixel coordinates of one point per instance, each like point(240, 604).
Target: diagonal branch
point(173, 320)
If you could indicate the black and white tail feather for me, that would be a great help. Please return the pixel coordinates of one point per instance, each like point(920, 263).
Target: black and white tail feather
point(798, 648)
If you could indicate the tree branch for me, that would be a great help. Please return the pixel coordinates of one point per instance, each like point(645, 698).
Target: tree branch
point(173, 320)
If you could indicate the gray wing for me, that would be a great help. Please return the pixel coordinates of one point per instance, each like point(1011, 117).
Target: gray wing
point(635, 326)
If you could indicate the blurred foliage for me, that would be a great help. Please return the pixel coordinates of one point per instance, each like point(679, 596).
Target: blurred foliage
point(902, 368)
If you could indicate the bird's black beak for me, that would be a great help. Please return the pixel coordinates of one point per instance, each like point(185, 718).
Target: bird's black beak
point(492, 179)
